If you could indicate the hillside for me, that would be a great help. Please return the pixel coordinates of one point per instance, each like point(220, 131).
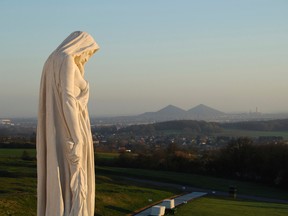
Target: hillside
point(169, 112)
point(183, 126)
point(201, 112)
point(202, 127)
point(272, 125)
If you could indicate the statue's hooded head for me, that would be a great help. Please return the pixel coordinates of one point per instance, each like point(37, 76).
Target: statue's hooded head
point(77, 43)
point(80, 45)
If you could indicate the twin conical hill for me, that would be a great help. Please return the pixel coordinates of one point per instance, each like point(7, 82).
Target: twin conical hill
point(171, 112)
point(203, 112)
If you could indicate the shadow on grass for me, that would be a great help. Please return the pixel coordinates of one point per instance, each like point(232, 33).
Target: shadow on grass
point(122, 210)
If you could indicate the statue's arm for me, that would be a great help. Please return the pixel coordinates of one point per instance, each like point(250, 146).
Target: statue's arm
point(69, 101)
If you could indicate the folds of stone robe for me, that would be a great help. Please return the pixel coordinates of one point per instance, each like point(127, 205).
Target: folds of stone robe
point(65, 156)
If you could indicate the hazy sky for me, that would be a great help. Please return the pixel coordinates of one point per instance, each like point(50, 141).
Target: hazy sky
point(227, 54)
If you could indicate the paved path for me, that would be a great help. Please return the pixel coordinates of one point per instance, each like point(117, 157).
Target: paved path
point(178, 201)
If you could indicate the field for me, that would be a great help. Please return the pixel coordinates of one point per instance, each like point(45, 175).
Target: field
point(119, 197)
point(227, 207)
point(233, 133)
point(15, 153)
point(252, 134)
point(17, 186)
point(116, 195)
point(198, 181)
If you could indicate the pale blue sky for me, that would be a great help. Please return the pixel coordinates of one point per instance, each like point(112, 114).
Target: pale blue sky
point(227, 54)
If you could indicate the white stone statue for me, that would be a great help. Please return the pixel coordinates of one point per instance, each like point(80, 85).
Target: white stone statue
point(65, 156)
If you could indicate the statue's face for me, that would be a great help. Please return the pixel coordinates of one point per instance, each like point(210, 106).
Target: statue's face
point(85, 56)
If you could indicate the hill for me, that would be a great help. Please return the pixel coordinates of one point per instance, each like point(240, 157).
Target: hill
point(171, 112)
point(203, 112)
point(195, 127)
point(272, 125)
point(200, 113)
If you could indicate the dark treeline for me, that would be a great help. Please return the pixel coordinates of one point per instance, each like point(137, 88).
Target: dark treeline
point(17, 131)
point(272, 125)
point(24, 145)
point(194, 127)
point(185, 126)
point(240, 159)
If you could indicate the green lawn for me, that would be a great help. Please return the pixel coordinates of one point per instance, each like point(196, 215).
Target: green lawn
point(113, 197)
point(206, 182)
point(116, 196)
point(16, 153)
point(212, 206)
point(20, 204)
point(17, 183)
point(107, 156)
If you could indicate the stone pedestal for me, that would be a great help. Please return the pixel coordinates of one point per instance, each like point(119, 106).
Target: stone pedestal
point(169, 204)
point(157, 210)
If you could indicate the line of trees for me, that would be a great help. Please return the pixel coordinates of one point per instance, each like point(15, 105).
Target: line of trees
point(194, 127)
point(271, 125)
point(185, 126)
point(240, 159)
point(245, 160)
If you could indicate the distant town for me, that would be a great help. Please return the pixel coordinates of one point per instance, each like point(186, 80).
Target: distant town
point(164, 141)
point(199, 113)
point(200, 127)
point(168, 113)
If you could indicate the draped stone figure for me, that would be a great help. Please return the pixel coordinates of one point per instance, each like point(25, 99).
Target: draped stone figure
point(65, 156)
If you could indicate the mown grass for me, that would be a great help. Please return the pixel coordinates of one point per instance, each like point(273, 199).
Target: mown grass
point(205, 182)
point(118, 197)
point(227, 207)
point(114, 197)
point(18, 204)
point(17, 183)
point(108, 156)
point(17, 189)
point(16, 153)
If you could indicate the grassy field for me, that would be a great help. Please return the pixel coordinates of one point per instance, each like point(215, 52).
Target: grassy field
point(17, 187)
point(107, 156)
point(16, 153)
point(116, 196)
point(199, 181)
point(226, 207)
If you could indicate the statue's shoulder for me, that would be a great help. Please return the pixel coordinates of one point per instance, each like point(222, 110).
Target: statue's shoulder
point(68, 59)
